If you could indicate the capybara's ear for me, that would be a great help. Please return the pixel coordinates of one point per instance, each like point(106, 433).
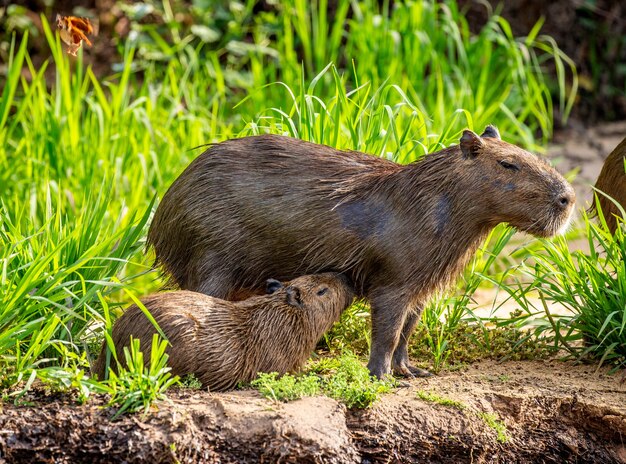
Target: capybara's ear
point(470, 144)
point(293, 296)
point(491, 132)
point(272, 285)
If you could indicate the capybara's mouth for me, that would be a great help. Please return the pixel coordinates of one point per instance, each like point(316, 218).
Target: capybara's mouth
point(551, 225)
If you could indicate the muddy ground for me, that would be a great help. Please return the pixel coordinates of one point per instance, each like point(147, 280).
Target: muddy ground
point(551, 412)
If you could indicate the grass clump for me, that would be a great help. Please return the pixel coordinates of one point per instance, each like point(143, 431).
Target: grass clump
point(451, 334)
point(351, 333)
point(55, 272)
point(344, 378)
point(589, 287)
point(352, 384)
point(191, 382)
point(136, 387)
point(470, 341)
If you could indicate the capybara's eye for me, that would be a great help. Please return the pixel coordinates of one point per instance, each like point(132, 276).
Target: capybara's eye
point(322, 291)
point(507, 165)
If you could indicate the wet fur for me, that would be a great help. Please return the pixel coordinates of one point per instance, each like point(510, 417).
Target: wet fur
point(262, 206)
point(223, 343)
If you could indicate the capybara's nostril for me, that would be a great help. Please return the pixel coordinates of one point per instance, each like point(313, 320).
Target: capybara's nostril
point(564, 200)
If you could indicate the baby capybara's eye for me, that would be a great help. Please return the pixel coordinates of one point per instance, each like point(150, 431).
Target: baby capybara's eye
point(322, 291)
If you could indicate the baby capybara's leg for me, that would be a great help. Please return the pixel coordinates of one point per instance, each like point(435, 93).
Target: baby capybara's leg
point(400, 363)
point(388, 315)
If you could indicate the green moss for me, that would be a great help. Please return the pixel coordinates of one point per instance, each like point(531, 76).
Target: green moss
point(434, 398)
point(286, 387)
point(344, 378)
point(494, 423)
point(191, 382)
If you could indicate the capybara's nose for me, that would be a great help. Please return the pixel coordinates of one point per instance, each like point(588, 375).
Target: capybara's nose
point(565, 199)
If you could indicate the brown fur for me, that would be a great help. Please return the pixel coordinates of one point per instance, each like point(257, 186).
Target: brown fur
point(268, 205)
point(224, 343)
point(612, 182)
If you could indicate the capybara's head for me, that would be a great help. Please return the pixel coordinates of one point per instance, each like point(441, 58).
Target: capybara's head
point(513, 185)
point(318, 298)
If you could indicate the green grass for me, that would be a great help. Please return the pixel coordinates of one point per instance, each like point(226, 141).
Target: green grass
point(344, 378)
point(191, 382)
point(287, 387)
point(136, 387)
point(589, 287)
point(53, 277)
point(446, 315)
point(84, 158)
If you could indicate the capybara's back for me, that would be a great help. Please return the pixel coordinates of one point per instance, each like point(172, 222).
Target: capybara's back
point(272, 206)
point(245, 199)
point(612, 182)
point(223, 343)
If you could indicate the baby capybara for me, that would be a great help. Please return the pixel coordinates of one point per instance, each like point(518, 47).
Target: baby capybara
point(612, 182)
point(223, 343)
point(262, 206)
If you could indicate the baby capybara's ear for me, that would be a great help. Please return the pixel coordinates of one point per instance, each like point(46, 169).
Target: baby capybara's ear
point(471, 144)
point(491, 132)
point(293, 296)
point(272, 285)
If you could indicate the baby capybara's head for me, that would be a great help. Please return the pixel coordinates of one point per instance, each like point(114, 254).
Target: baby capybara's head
point(293, 317)
point(511, 185)
point(318, 298)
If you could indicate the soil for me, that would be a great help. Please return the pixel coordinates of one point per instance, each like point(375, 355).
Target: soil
point(552, 412)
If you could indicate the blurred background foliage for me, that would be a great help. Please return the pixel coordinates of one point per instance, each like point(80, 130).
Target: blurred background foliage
point(591, 32)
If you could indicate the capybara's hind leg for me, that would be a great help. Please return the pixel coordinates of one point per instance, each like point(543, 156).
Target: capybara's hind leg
point(400, 363)
point(387, 320)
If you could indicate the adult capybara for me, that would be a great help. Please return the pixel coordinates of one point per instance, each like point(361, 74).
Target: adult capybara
point(612, 182)
point(267, 205)
point(223, 343)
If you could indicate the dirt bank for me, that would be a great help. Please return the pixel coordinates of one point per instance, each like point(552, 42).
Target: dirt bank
point(545, 412)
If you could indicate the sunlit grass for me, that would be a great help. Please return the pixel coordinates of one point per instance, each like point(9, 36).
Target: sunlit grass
point(83, 159)
point(588, 287)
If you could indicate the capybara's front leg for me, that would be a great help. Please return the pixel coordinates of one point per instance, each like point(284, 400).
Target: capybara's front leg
point(388, 314)
point(400, 363)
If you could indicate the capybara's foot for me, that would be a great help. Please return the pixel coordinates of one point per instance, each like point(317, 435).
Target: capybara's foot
point(378, 370)
point(402, 366)
point(417, 372)
point(408, 371)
